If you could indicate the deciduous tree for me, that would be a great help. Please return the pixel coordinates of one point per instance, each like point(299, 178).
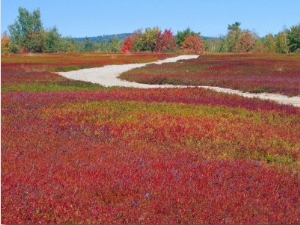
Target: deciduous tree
point(269, 43)
point(181, 35)
point(128, 44)
point(247, 43)
point(166, 42)
point(68, 45)
point(26, 32)
point(282, 42)
point(28, 35)
point(152, 39)
point(233, 37)
point(52, 41)
point(34, 42)
point(114, 44)
point(87, 45)
point(293, 36)
point(6, 45)
point(193, 44)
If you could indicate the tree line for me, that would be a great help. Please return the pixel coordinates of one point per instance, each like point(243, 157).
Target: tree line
point(27, 34)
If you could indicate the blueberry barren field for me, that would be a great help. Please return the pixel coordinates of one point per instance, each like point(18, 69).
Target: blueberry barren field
point(252, 77)
point(77, 152)
point(255, 73)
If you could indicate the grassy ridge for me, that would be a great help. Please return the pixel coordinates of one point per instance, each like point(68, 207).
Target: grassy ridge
point(59, 62)
point(33, 72)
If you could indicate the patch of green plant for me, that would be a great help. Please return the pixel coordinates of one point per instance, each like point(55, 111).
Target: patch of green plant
point(261, 89)
point(61, 85)
point(68, 68)
point(280, 159)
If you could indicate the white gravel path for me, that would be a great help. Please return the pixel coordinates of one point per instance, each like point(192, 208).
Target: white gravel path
point(108, 76)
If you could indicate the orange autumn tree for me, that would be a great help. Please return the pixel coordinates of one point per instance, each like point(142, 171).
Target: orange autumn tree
point(6, 45)
point(193, 44)
point(247, 43)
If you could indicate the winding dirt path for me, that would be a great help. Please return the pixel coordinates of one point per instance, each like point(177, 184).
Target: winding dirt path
point(108, 76)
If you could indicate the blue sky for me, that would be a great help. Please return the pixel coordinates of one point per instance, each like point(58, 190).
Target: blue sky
point(81, 18)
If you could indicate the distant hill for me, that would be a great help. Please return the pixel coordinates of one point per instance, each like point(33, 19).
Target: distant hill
point(121, 37)
point(103, 38)
point(207, 38)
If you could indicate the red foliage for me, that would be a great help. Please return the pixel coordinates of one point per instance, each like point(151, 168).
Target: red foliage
point(128, 43)
point(246, 72)
point(155, 156)
point(162, 41)
point(166, 41)
point(59, 165)
point(63, 168)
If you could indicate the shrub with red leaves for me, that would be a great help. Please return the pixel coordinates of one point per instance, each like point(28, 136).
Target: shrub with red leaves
point(158, 156)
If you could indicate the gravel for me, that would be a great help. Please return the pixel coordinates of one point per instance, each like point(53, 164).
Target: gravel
point(108, 77)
